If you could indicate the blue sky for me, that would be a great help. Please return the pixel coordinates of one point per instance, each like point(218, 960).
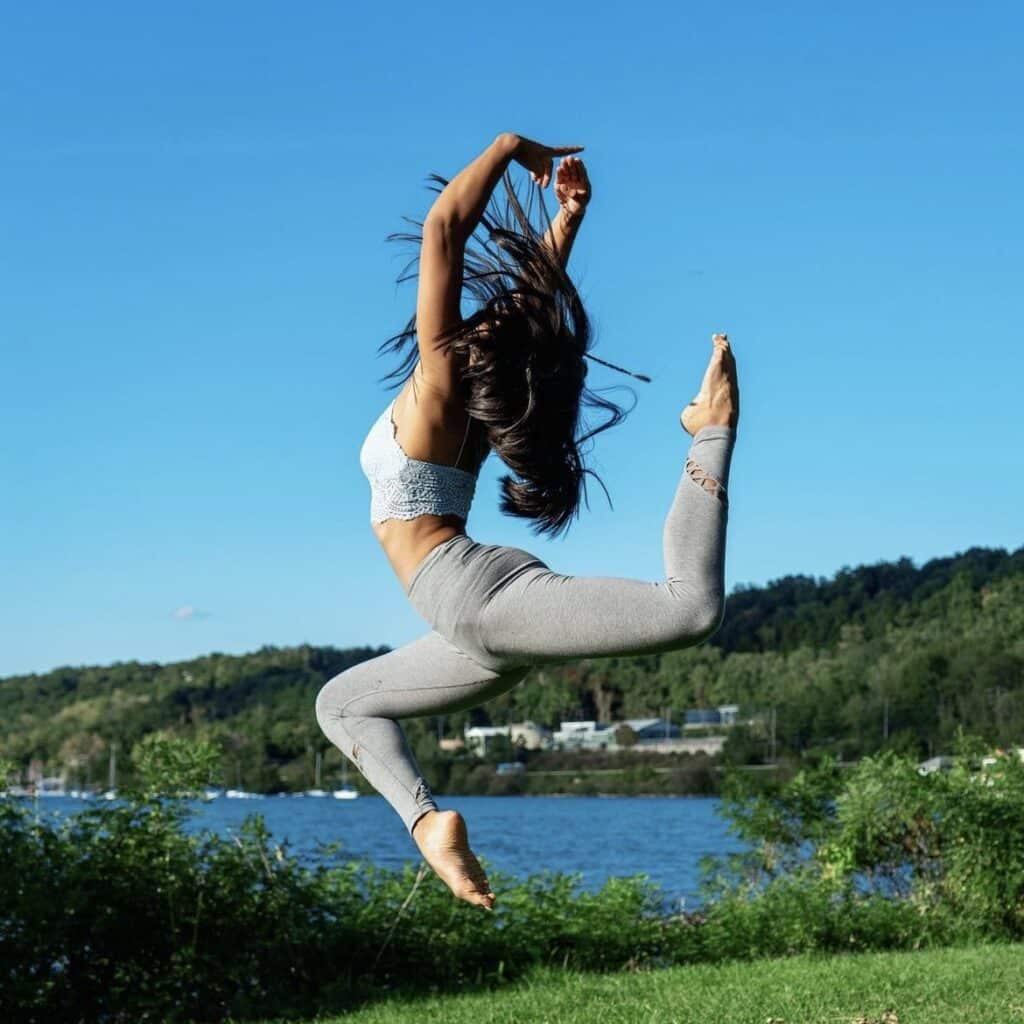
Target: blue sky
point(194, 281)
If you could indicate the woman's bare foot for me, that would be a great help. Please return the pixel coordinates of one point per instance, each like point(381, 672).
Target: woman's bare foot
point(444, 843)
point(718, 401)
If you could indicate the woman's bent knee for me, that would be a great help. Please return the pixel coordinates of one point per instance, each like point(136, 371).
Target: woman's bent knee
point(703, 614)
point(327, 701)
point(709, 618)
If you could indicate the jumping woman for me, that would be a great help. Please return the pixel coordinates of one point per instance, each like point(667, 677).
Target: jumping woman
point(509, 378)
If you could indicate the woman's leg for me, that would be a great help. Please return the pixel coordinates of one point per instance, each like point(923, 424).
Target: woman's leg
point(358, 708)
point(541, 616)
point(505, 607)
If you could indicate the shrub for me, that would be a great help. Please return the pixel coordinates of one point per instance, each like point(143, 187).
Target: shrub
point(918, 858)
point(119, 914)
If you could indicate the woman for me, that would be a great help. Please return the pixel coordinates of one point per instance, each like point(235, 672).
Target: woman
point(510, 377)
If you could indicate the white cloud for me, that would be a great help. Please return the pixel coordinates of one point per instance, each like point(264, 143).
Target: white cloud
point(189, 613)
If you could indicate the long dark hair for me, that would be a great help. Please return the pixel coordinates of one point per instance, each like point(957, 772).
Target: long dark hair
point(524, 379)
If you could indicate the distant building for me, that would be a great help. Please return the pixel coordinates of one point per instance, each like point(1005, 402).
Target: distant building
point(941, 763)
point(726, 715)
point(477, 737)
point(649, 730)
point(584, 736)
point(452, 743)
point(653, 736)
point(529, 735)
point(526, 735)
point(701, 718)
point(728, 712)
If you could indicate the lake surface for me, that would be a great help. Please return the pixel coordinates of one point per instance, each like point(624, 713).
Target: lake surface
point(596, 837)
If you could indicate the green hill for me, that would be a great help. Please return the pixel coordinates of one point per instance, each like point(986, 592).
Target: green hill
point(886, 655)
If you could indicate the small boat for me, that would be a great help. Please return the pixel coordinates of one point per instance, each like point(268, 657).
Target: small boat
point(346, 792)
point(240, 794)
point(317, 783)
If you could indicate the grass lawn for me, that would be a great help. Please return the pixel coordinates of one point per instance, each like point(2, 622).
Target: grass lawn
point(976, 985)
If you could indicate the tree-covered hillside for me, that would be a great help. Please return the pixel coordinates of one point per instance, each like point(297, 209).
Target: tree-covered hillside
point(880, 656)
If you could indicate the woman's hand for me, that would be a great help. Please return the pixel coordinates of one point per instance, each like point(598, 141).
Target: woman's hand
point(536, 157)
point(572, 186)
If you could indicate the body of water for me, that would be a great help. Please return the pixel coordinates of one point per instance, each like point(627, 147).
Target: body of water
point(596, 837)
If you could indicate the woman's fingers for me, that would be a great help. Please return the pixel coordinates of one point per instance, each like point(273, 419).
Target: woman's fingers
point(539, 160)
point(575, 172)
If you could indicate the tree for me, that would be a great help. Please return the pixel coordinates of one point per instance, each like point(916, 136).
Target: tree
point(625, 736)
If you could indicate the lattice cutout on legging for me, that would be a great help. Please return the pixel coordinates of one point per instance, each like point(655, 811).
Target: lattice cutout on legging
point(700, 476)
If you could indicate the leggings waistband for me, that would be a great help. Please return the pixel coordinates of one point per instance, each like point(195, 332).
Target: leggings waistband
point(432, 555)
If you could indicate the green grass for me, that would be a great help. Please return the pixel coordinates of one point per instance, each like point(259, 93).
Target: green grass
point(976, 985)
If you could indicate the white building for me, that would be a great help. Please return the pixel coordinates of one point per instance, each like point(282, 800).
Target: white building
point(584, 736)
point(477, 737)
point(529, 735)
point(727, 713)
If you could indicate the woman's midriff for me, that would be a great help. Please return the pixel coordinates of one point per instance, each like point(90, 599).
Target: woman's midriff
point(406, 542)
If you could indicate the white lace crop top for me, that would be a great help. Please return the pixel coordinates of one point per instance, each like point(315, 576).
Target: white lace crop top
point(404, 488)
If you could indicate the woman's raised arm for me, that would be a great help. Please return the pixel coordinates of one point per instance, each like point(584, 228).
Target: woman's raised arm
point(461, 204)
point(447, 228)
point(572, 190)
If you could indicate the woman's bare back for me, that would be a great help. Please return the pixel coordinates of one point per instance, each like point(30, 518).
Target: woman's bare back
point(429, 424)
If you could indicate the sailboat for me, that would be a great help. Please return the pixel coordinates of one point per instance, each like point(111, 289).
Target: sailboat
point(111, 791)
point(317, 791)
point(346, 792)
point(238, 793)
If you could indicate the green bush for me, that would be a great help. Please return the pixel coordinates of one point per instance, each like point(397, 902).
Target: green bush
point(118, 914)
point(913, 858)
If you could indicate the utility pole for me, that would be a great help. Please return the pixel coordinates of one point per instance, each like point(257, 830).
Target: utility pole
point(773, 734)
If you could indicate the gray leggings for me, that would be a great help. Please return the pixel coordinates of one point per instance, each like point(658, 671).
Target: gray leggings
point(497, 611)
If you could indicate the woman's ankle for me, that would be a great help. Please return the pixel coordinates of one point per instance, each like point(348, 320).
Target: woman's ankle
point(416, 831)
